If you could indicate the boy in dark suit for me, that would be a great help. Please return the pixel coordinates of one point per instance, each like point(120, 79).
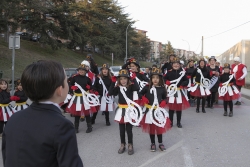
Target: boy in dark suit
point(40, 135)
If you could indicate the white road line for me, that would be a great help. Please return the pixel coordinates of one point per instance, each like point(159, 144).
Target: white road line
point(186, 154)
point(174, 147)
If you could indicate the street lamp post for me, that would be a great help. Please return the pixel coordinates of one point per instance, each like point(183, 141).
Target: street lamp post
point(127, 41)
point(188, 46)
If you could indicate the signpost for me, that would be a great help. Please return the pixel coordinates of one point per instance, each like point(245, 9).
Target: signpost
point(112, 58)
point(14, 43)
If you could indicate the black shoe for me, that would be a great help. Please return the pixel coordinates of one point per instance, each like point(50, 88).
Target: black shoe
point(208, 106)
point(130, 149)
point(225, 113)
point(239, 103)
point(230, 114)
point(122, 149)
point(92, 122)
point(236, 103)
point(179, 125)
point(108, 123)
point(162, 147)
point(76, 130)
point(153, 148)
point(82, 118)
point(197, 110)
point(103, 113)
point(212, 107)
point(203, 110)
point(89, 129)
point(171, 124)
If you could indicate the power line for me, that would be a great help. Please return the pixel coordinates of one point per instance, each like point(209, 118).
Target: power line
point(228, 30)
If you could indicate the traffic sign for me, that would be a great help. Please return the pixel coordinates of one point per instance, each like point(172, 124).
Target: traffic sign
point(16, 42)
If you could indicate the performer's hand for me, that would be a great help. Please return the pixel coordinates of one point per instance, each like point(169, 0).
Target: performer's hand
point(163, 104)
point(145, 100)
point(168, 82)
point(133, 76)
point(74, 87)
point(14, 98)
point(181, 87)
point(217, 74)
point(188, 76)
point(17, 98)
point(231, 83)
point(192, 84)
point(240, 78)
point(211, 73)
point(220, 85)
point(88, 87)
point(96, 93)
point(113, 78)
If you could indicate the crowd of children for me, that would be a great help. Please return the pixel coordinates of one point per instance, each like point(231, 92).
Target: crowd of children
point(143, 99)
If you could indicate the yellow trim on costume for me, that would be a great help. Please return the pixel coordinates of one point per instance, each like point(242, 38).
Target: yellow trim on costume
point(78, 94)
point(149, 106)
point(122, 105)
point(4, 105)
point(19, 104)
point(198, 83)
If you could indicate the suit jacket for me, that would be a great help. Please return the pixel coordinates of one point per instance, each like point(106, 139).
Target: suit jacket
point(40, 136)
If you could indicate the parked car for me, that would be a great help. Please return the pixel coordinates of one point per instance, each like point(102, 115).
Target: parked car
point(115, 70)
point(70, 71)
point(35, 37)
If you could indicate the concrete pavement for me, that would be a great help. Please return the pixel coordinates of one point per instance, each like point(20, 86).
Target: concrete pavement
point(206, 139)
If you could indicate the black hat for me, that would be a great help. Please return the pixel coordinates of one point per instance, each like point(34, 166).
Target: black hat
point(133, 60)
point(176, 60)
point(123, 73)
point(226, 65)
point(212, 57)
point(106, 65)
point(189, 60)
point(89, 57)
point(18, 81)
point(172, 55)
point(82, 67)
point(155, 71)
point(202, 59)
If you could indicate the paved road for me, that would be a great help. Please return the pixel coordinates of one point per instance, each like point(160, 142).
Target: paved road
point(206, 139)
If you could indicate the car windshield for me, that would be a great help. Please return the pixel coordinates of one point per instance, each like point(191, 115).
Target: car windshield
point(69, 72)
point(116, 68)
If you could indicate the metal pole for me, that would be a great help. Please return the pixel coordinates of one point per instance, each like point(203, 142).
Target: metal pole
point(202, 46)
point(127, 42)
point(13, 64)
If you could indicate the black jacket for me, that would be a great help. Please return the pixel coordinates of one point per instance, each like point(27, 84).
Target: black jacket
point(4, 97)
point(83, 81)
point(115, 90)
point(161, 94)
point(21, 95)
point(205, 73)
point(174, 74)
point(40, 136)
point(99, 87)
point(190, 70)
point(225, 77)
point(167, 66)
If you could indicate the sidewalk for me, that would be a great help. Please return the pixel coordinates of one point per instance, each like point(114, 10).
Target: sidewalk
point(245, 93)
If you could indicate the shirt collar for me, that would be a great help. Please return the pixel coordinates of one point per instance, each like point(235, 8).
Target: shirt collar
point(50, 102)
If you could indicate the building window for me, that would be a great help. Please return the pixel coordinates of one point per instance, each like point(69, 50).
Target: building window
point(231, 57)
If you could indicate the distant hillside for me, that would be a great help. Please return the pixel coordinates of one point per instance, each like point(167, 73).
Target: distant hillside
point(31, 51)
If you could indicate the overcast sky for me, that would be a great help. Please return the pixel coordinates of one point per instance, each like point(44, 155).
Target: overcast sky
point(189, 20)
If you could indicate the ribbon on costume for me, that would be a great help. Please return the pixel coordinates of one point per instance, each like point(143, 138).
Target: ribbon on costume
point(172, 89)
point(223, 90)
point(160, 114)
point(134, 112)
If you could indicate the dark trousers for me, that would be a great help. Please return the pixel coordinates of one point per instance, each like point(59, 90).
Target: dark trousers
point(2, 123)
point(152, 138)
point(106, 116)
point(126, 127)
point(189, 96)
point(178, 115)
point(77, 120)
point(230, 103)
point(211, 99)
point(202, 100)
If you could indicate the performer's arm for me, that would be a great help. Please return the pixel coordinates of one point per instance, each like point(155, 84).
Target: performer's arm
point(244, 70)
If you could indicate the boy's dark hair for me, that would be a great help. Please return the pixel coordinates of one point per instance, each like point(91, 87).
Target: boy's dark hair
point(40, 79)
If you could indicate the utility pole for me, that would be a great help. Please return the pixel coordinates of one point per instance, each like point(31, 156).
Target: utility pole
point(202, 46)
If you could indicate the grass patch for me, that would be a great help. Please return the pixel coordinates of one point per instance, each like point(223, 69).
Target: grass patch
point(32, 51)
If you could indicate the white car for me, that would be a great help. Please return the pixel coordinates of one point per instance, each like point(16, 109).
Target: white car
point(115, 69)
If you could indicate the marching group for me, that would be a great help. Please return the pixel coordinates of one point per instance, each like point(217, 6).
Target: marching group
point(143, 98)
